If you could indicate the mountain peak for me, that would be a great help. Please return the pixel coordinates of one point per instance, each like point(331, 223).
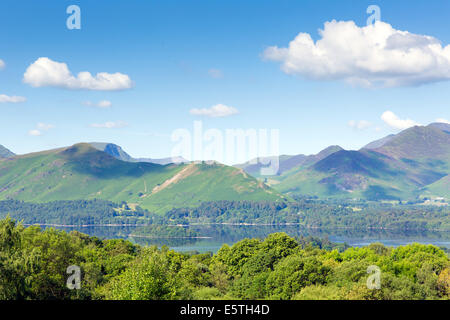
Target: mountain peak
point(441, 126)
point(113, 150)
point(328, 151)
point(5, 153)
point(417, 142)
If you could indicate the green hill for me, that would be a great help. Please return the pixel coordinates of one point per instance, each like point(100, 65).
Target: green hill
point(83, 172)
point(440, 188)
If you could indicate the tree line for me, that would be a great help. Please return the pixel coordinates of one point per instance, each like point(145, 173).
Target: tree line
point(33, 265)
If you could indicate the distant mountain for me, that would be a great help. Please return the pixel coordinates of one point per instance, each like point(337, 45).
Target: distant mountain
point(418, 143)
point(5, 153)
point(287, 163)
point(441, 126)
point(413, 163)
point(379, 143)
point(163, 161)
point(118, 153)
point(113, 150)
point(83, 172)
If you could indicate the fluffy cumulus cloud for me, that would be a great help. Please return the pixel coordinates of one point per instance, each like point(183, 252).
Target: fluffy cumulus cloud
point(110, 125)
point(45, 72)
point(359, 125)
point(216, 111)
point(392, 120)
point(2, 64)
point(375, 55)
point(11, 99)
point(101, 104)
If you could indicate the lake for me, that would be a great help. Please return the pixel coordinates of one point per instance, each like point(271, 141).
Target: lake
point(212, 237)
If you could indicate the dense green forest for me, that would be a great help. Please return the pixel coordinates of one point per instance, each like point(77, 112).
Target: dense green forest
point(309, 213)
point(34, 262)
point(318, 214)
point(77, 212)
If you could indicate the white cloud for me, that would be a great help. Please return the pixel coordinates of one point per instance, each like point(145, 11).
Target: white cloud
point(45, 126)
point(215, 73)
point(360, 125)
point(374, 55)
point(392, 120)
point(2, 64)
point(40, 127)
point(11, 99)
point(216, 111)
point(442, 120)
point(48, 73)
point(101, 104)
point(110, 125)
point(35, 133)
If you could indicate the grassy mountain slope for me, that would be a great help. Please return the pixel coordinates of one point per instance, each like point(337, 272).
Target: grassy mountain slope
point(440, 188)
point(379, 143)
point(83, 172)
point(200, 182)
point(418, 143)
point(349, 174)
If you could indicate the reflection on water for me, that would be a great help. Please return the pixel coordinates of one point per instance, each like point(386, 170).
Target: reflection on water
point(212, 237)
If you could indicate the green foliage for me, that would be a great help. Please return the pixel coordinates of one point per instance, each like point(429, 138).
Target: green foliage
point(308, 213)
point(146, 279)
point(33, 264)
point(76, 212)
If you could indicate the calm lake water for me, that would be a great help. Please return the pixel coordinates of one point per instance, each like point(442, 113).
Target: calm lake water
point(214, 236)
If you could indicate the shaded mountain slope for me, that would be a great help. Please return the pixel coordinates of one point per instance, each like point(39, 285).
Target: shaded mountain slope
point(5, 153)
point(396, 167)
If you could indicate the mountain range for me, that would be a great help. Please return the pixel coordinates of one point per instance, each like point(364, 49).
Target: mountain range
point(413, 164)
point(84, 172)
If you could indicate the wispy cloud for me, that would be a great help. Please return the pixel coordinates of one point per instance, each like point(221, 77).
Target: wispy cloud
point(45, 72)
point(44, 126)
point(216, 111)
point(110, 125)
point(442, 120)
point(104, 104)
point(40, 128)
point(11, 99)
point(215, 73)
point(359, 125)
point(2, 64)
point(392, 120)
point(374, 55)
point(35, 133)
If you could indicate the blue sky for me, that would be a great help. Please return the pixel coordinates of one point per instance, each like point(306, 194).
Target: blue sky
point(182, 55)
